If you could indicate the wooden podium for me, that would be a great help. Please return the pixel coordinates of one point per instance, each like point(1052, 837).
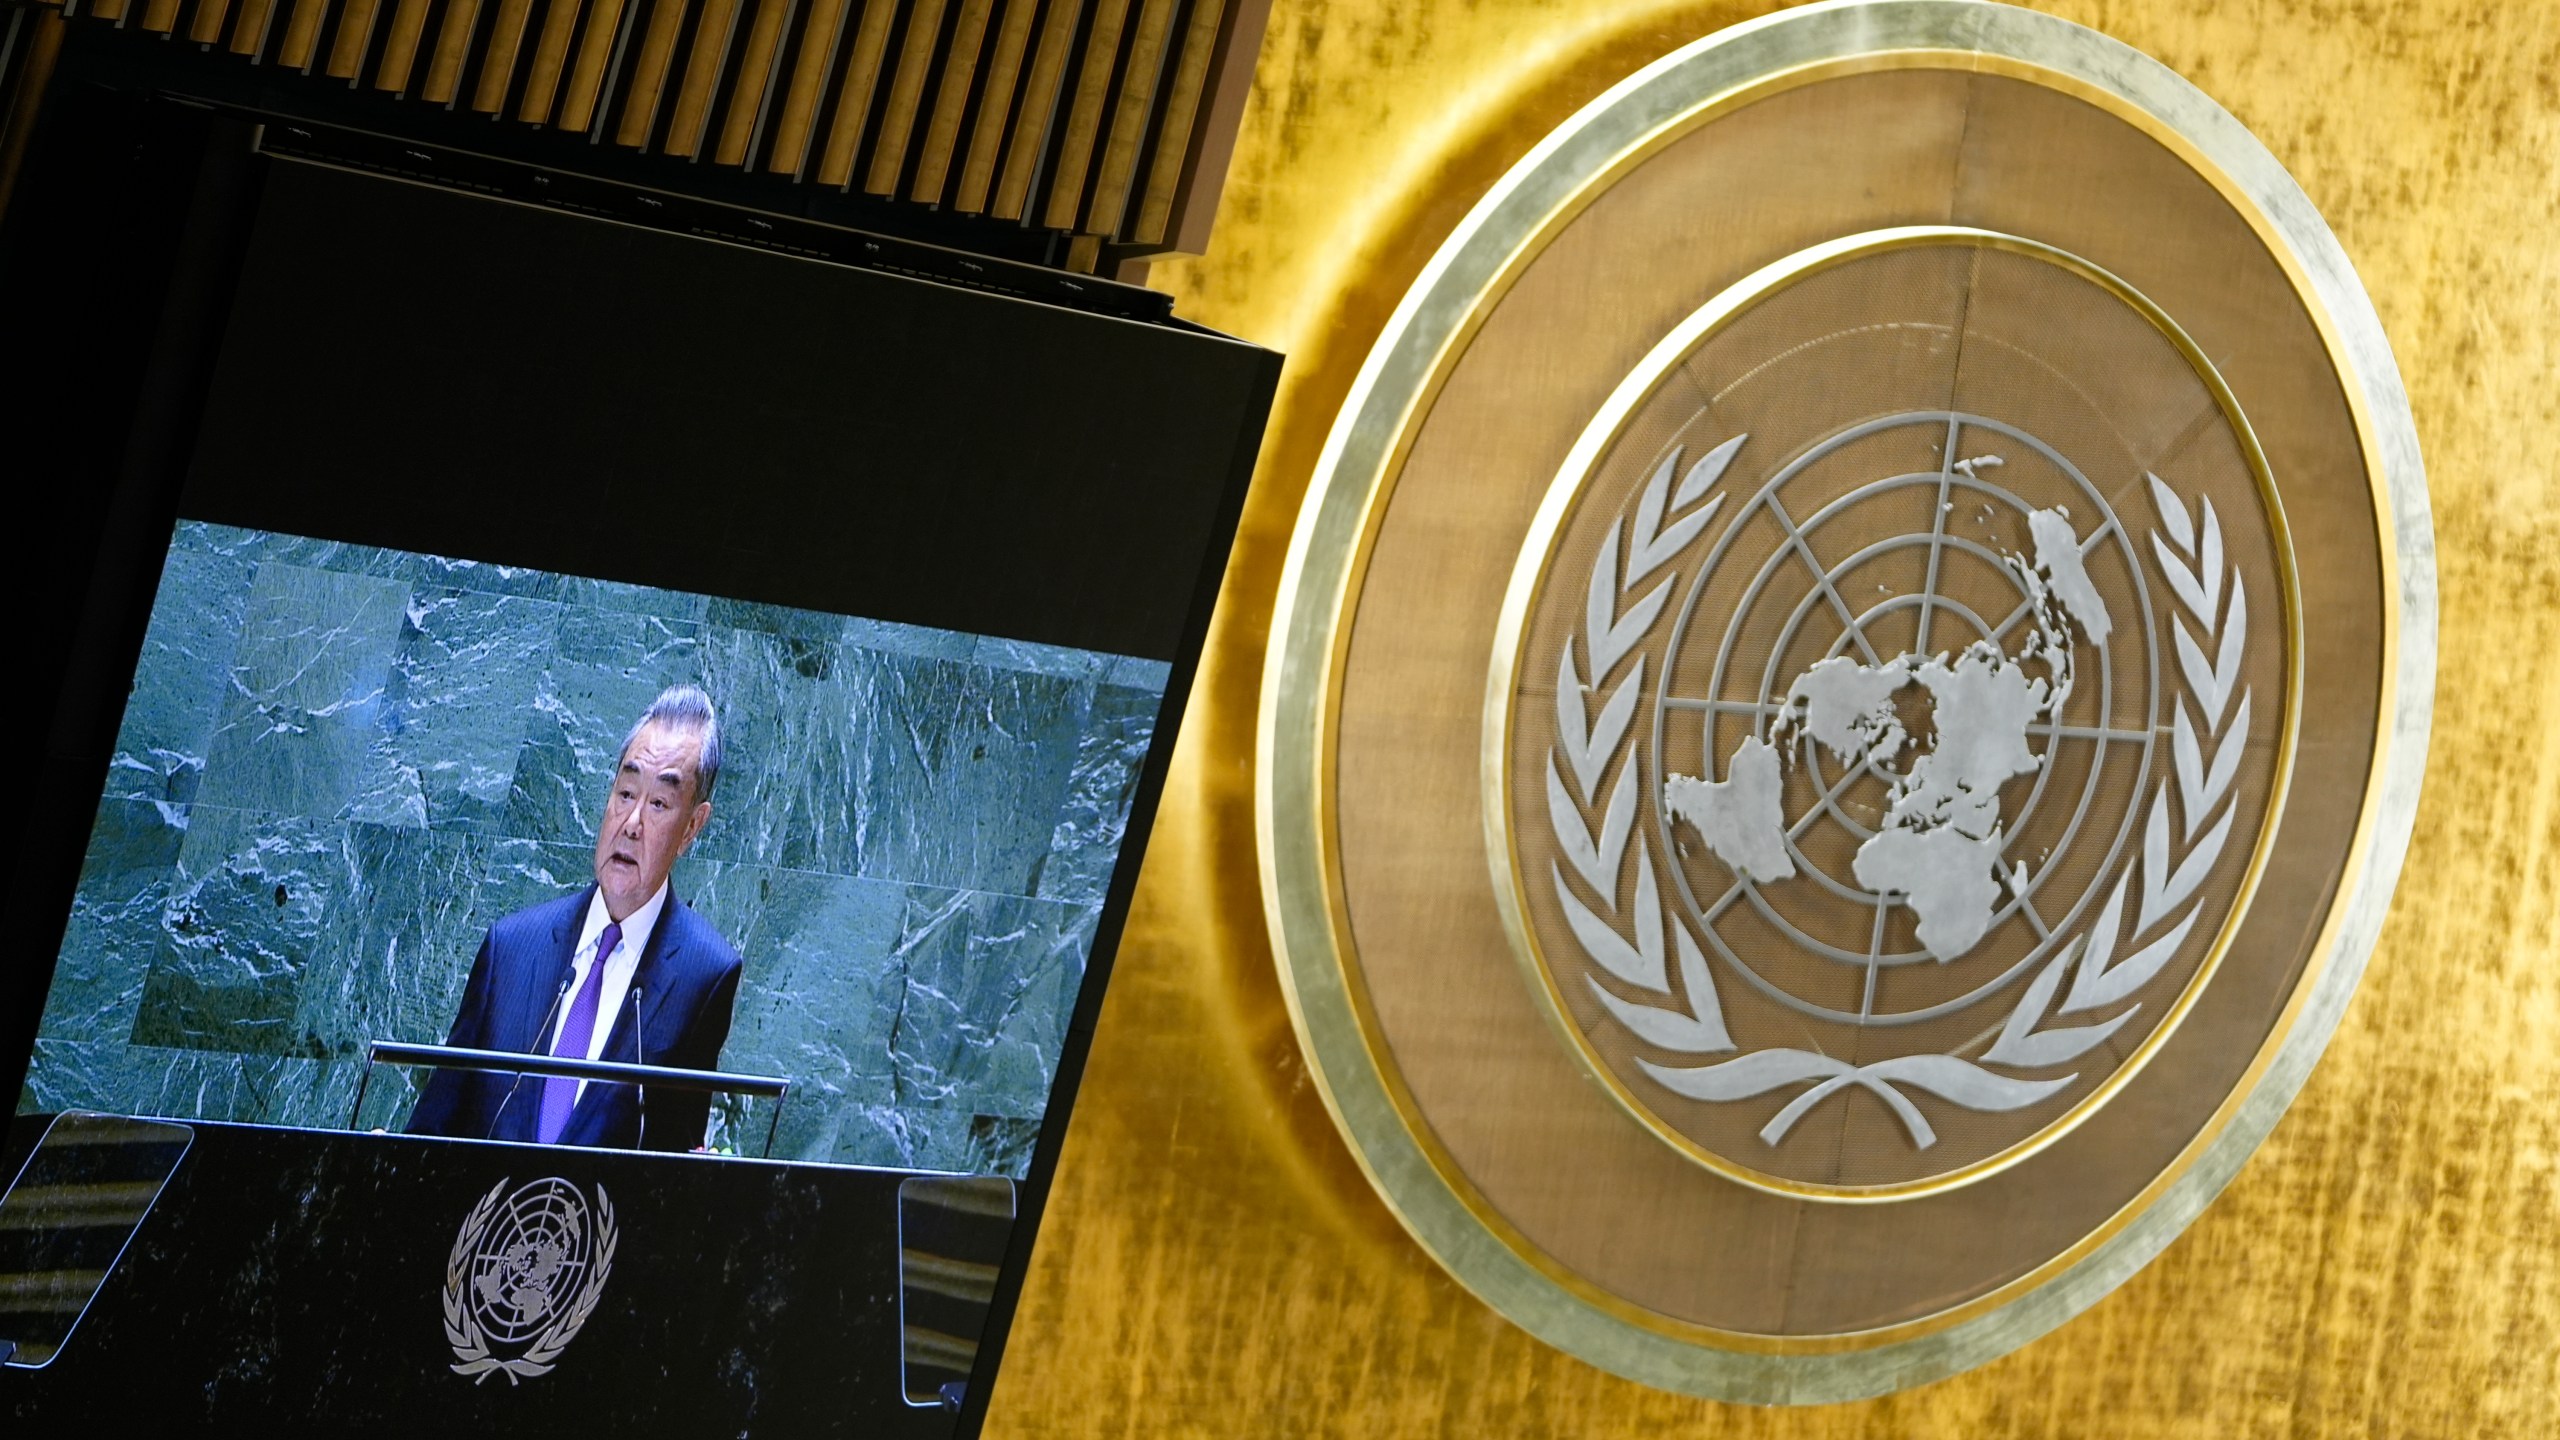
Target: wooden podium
point(301, 1281)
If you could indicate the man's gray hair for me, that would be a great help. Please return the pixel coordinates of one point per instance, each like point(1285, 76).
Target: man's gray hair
point(686, 710)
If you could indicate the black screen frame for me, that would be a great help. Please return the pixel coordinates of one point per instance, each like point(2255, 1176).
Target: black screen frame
point(130, 253)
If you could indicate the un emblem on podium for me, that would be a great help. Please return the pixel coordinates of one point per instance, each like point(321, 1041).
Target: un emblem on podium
point(527, 1269)
point(1847, 699)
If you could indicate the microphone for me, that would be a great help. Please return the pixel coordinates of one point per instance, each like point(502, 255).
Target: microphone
point(639, 1057)
point(541, 1034)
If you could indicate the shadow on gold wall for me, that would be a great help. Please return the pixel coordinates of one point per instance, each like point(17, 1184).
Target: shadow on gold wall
point(1213, 1263)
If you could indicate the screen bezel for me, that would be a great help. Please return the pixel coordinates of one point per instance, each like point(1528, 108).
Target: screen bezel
point(132, 232)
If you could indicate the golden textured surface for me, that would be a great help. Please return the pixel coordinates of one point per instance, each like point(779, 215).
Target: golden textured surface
point(1212, 1262)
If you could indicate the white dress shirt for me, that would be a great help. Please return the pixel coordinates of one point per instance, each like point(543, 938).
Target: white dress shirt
point(618, 968)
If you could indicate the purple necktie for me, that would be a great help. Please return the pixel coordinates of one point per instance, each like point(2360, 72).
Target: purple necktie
point(560, 1096)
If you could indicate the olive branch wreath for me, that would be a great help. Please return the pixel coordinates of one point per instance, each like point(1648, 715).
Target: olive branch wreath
point(462, 1330)
point(2205, 754)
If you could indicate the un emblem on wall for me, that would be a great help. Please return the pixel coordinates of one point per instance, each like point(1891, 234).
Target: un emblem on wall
point(1888, 769)
point(527, 1269)
point(1847, 699)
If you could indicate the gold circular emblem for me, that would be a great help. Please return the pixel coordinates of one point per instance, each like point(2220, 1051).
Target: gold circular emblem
point(1847, 699)
point(1864, 656)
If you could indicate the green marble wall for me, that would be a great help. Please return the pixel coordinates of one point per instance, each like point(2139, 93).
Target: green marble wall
point(339, 764)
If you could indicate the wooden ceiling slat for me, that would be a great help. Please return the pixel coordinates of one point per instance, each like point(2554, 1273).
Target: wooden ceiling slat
point(498, 63)
point(301, 34)
point(1084, 117)
point(798, 119)
point(906, 95)
point(1039, 107)
point(715, 29)
point(596, 40)
point(1180, 118)
point(249, 31)
point(950, 100)
point(452, 47)
point(354, 37)
point(853, 97)
point(550, 61)
point(400, 48)
point(1129, 117)
point(752, 94)
point(649, 75)
point(995, 104)
point(1087, 118)
point(207, 27)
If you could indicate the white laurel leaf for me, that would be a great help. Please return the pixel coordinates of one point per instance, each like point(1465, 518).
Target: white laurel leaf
point(2209, 564)
point(2182, 580)
point(2212, 680)
point(1613, 634)
point(2226, 664)
point(1669, 1029)
point(2173, 513)
point(1573, 723)
point(2101, 944)
point(1762, 1071)
point(1952, 1077)
point(1740, 1078)
point(1900, 1104)
point(2226, 760)
point(1649, 917)
point(1595, 859)
point(1700, 987)
point(2201, 786)
point(1588, 748)
point(1654, 545)
point(1945, 1076)
point(2189, 760)
point(2191, 659)
point(1709, 469)
point(2164, 889)
point(2155, 857)
point(2132, 972)
point(1671, 541)
point(1640, 964)
point(2020, 1044)
point(1657, 498)
point(461, 1329)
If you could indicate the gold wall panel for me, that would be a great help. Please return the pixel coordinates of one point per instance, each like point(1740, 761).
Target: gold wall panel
point(1212, 1261)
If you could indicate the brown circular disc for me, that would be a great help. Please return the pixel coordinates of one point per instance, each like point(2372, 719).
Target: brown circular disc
point(1842, 703)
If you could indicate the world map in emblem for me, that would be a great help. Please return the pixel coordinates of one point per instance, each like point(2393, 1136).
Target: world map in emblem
point(1941, 844)
point(1902, 759)
point(534, 1260)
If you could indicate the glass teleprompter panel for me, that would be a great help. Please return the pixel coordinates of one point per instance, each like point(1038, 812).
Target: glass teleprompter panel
point(67, 1218)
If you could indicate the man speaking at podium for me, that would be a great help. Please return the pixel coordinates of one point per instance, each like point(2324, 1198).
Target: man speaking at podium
point(621, 970)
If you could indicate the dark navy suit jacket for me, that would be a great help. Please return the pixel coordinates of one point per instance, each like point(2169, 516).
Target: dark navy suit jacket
point(685, 983)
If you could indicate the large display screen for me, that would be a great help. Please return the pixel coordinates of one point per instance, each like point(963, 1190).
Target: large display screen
point(493, 628)
point(347, 774)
